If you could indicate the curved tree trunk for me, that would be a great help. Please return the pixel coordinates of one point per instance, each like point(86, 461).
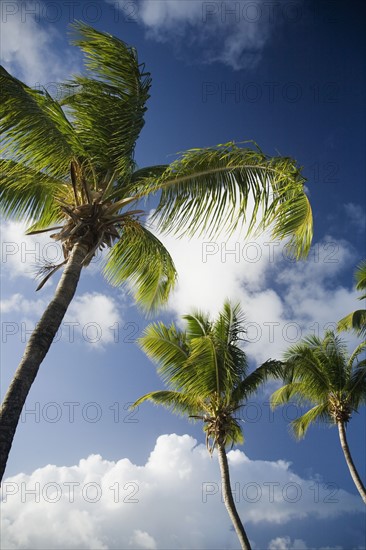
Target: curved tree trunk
point(36, 350)
point(356, 478)
point(228, 499)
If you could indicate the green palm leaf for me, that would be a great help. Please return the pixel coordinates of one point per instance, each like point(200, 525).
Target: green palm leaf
point(107, 105)
point(177, 402)
point(26, 194)
point(34, 128)
point(207, 190)
point(302, 424)
point(139, 257)
point(356, 320)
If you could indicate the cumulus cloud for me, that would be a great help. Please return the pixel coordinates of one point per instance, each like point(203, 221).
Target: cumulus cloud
point(29, 49)
point(233, 33)
point(172, 501)
point(283, 300)
point(95, 317)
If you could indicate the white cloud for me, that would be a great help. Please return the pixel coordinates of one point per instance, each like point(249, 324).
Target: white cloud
point(284, 543)
point(283, 300)
point(96, 318)
point(29, 50)
point(22, 255)
point(141, 539)
point(172, 501)
point(356, 216)
point(17, 303)
point(233, 33)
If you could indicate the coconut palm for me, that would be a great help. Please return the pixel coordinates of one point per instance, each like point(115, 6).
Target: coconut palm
point(68, 167)
point(207, 376)
point(320, 372)
point(356, 320)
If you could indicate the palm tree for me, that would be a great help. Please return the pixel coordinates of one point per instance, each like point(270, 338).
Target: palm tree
point(356, 320)
point(321, 373)
point(68, 167)
point(206, 372)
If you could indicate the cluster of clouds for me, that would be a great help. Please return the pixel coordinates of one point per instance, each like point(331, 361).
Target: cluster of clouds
point(171, 501)
point(233, 33)
point(283, 300)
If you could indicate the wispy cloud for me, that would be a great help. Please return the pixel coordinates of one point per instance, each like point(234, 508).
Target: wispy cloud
point(356, 216)
point(30, 50)
point(232, 33)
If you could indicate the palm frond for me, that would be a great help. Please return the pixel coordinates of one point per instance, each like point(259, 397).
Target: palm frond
point(207, 190)
point(35, 130)
point(360, 277)
point(177, 402)
point(197, 324)
point(302, 424)
point(256, 379)
point(108, 104)
point(356, 388)
point(141, 259)
point(294, 390)
point(26, 194)
point(165, 346)
point(355, 321)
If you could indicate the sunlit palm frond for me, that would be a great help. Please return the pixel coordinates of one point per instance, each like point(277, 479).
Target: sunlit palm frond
point(109, 103)
point(29, 195)
point(139, 257)
point(302, 424)
point(355, 321)
point(177, 402)
point(251, 384)
point(34, 128)
point(360, 277)
point(197, 324)
point(166, 346)
point(207, 190)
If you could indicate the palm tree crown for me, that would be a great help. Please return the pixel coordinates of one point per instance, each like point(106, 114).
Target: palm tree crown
point(320, 372)
point(206, 371)
point(69, 164)
point(356, 320)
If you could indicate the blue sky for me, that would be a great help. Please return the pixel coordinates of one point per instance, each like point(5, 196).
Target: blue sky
point(290, 76)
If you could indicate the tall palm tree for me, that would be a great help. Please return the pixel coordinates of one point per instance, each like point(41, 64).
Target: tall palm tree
point(68, 166)
point(356, 320)
point(207, 376)
point(321, 373)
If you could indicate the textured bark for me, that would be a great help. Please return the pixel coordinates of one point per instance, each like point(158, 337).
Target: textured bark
point(228, 499)
point(35, 351)
point(356, 478)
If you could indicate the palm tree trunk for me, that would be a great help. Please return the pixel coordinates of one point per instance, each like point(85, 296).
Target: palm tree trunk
point(356, 478)
point(36, 350)
point(228, 499)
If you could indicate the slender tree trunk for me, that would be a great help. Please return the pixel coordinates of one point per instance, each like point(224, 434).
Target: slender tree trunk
point(356, 478)
point(228, 499)
point(35, 351)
